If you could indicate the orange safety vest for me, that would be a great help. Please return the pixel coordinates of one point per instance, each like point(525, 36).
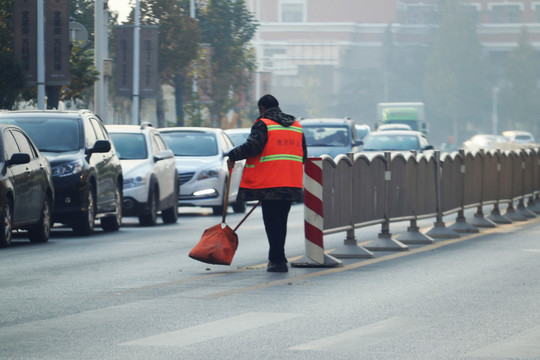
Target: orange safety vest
point(280, 163)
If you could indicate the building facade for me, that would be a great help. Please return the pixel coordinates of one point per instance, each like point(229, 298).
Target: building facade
point(310, 47)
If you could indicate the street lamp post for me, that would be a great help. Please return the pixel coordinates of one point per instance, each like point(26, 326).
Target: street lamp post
point(495, 110)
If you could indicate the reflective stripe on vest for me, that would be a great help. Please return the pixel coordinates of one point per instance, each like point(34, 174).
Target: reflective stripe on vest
point(280, 163)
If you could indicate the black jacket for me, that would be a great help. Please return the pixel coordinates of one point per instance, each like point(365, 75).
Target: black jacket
point(254, 145)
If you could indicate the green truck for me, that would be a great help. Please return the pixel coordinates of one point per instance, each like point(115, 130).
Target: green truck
point(408, 113)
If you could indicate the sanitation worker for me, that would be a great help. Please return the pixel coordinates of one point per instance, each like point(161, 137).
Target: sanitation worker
point(275, 151)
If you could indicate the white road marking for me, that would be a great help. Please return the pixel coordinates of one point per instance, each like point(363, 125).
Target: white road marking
point(523, 346)
point(366, 335)
point(213, 330)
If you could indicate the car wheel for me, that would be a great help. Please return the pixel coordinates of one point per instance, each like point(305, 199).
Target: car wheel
point(85, 224)
point(239, 206)
point(218, 210)
point(6, 224)
point(170, 215)
point(113, 223)
point(42, 229)
point(150, 218)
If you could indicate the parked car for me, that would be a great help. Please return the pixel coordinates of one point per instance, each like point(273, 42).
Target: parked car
point(201, 162)
point(330, 136)
point(86, 172)
point(396, 140)
point(26, 187)
point(149, 171)
point(519, 137)
point(238, 135)
point(387, 127)
point(362, 130)
point(486, 141)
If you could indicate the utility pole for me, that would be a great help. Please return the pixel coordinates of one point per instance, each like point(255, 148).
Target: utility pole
point(136, 64)
point(40, 55)
point(98, 58)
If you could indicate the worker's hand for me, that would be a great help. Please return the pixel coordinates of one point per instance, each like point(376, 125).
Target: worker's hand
point(230, 163)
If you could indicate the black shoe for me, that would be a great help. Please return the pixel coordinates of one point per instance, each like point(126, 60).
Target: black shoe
point(281, 267)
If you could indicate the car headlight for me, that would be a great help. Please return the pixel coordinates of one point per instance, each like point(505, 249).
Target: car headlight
point(134, 182)
point(207, 174)
point(71, 168)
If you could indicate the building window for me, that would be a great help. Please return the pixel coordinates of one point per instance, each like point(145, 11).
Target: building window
point(536, 9)
point(421, 14)
point(505, 13)
point(292, 11)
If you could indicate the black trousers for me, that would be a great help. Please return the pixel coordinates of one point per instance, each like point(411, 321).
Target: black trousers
point(275, 214)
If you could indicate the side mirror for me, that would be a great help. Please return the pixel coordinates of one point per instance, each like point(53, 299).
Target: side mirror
point(428, 147)
point(101, 146)
point(18, 159)
point(164, 154)
point(358, 142)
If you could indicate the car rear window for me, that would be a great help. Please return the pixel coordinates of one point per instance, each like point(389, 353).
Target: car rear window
point(129, 146)
point(321, 135)
point(391, 142)
point(191, 143)
point(50, 134)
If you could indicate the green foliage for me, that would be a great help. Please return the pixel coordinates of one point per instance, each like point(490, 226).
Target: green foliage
point(228, 27)
point(455, 82)
point(519, 100)
point(12, 80)
point(83, 74)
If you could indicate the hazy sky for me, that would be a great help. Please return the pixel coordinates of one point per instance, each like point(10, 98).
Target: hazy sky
point(122, 7)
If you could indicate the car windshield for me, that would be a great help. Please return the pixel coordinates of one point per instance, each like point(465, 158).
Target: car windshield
point(129, 146)
point(238, 138)
point(322, 135)
point(391, 142)
point(50, 134)
point(191, 143)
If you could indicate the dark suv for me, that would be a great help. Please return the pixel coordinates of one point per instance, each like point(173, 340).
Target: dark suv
point(87, 174)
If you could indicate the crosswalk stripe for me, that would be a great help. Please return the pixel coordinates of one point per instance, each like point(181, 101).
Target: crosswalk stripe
point(213, 330)
point(366, 335)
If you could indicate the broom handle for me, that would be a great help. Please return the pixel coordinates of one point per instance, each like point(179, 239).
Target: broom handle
point(226, 200)
point(245, 217)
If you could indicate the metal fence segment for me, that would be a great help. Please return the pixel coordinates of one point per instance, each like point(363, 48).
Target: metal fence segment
point(365, 189)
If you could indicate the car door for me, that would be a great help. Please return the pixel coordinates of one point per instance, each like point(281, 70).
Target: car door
point(37, 175)
point(164, 169)
point(236, 175)
point(104, 166)
point(20, 176)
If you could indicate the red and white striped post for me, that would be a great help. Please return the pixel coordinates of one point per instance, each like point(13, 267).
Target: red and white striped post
point(314, 219)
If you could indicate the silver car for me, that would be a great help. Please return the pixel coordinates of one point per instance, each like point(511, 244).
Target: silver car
point(201, 161)
point(150, 177)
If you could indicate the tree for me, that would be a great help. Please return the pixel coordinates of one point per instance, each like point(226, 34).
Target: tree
point(12, 76)
point(228, 27)
point(179, 36)
point(455, 90)
point(83, 74)
point(519, 101)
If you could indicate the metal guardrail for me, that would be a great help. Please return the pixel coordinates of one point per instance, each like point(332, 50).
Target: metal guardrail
point(363, 189)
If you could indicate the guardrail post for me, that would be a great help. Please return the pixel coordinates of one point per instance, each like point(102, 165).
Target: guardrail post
point(534, 201)
point(496, 215)
point(413, 235)
point(385, 241)
point(350, 248)
point(511, 211)
point(521, 204)
point(313, 218)
point(479, 220)
point(461, 225)
point(439, 230)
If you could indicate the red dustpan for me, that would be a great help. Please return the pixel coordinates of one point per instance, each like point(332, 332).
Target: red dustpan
point(218, 243)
